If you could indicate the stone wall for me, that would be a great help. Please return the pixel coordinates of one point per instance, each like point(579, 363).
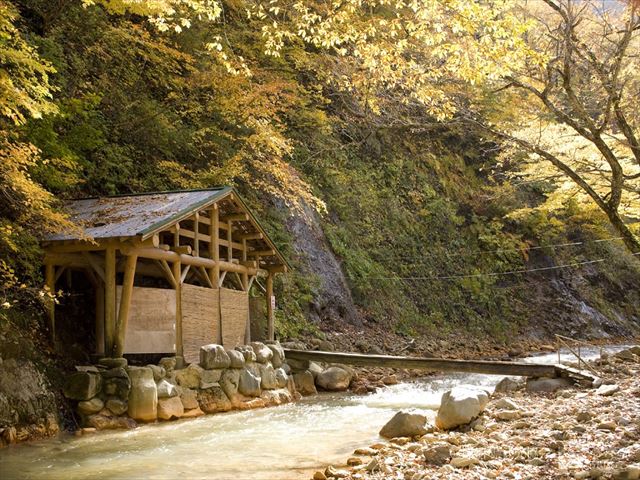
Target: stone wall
point(113, 394)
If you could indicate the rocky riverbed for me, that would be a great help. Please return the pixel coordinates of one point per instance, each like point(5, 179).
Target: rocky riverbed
point(523, 433)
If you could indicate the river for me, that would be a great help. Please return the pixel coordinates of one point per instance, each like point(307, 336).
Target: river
point(285, 442)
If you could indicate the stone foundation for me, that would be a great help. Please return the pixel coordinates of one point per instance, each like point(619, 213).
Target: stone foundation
point(114, 395)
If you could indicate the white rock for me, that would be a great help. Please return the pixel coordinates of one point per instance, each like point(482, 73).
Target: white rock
point(459, 406)
point(506, 404)
point(462, 462)
point(607, 390)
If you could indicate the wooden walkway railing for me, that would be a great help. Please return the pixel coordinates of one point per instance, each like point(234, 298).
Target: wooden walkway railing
point(443, 365)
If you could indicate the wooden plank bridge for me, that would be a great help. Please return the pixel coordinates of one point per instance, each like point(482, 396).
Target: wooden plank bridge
point(445, 365)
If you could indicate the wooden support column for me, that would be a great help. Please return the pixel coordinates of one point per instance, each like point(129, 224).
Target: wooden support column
point(214, 244)
point(177, 274)
point(125, 303)
point(196, 234)
point(269, 295)
point(230, 241)
point(109, 300)
point(50, 279)
point(100, 319)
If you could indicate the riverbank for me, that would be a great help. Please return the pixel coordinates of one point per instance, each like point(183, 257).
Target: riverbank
point(570, 433)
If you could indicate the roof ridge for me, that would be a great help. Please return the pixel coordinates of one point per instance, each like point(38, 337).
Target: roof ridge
point(155, 192)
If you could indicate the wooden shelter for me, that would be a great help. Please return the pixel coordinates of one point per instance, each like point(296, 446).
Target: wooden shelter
point(202, 248)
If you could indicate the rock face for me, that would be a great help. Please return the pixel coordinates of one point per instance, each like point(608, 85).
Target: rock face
point(143, 397)
point(116, 406)
point(189, 398)
point(210, 378)
point(214, 356)
point(229, 382)
point(547, 385)
point(405, 424)
point(249, 384)
point(459, 406)
point(169, 408)
point(82, 386)
point(281, 378)
point(334, 379)
point(304, 383)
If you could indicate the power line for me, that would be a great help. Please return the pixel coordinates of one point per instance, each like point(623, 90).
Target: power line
point(502, 250)
point(496, 274)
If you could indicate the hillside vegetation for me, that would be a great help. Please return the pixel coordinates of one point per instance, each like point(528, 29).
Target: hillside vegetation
point(414, 223)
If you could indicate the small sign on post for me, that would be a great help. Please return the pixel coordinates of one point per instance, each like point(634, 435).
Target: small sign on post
point(273, 302)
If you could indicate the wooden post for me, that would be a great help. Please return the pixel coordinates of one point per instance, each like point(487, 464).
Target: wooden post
point(125, 303)
point(109, 300)
point(50, 279)
point(196, 234)
point(269, 295)
point(100, 319)
point(230, 241)
point(177, 274)
point(214, 244)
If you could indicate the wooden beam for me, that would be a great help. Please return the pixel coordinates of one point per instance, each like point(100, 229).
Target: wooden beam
point(184, 273)
point(182, 249)
point(125, 303)
point(166, 271)
point(204, 276)
point(251, 236)
point(50, 279)
point(270, 301)
point(221, 280)
point(109, 300)
point(59, 272)
point(177, 274)
point(95, 264)
point(261, 253)
point(157, 254)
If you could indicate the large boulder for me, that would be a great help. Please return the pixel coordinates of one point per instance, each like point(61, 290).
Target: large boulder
point(229, 382)
point(117, 406)
point(278, 354)
point(213, 400)
point(281, 378)
point(104, 422)
point(210, 378)
point(263, 353)
point(87, 407)
point(214, 356)
point(304, 383)
point(236, 358)
point(508, 384)
point(143, 397)
point(168, 363)
point(189, 377)
point(249, 384)
point(82, 386)
point(166, 389)
point(113, 362)
point(405, 424)
point(247, 352)
point(158, 372)
point(268, 377)
point(189, 398)
point(334, 379)
point(459, 406)
point(169, 408)
point(116, 382)
point(547, 385)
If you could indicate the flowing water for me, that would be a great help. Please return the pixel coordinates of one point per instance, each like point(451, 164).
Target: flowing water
point(284, 442)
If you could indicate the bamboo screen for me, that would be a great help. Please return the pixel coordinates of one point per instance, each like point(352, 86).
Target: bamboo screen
point(235, 313)
point(200, 320)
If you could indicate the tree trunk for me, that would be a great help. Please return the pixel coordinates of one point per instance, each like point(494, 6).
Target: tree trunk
point(629, 239)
